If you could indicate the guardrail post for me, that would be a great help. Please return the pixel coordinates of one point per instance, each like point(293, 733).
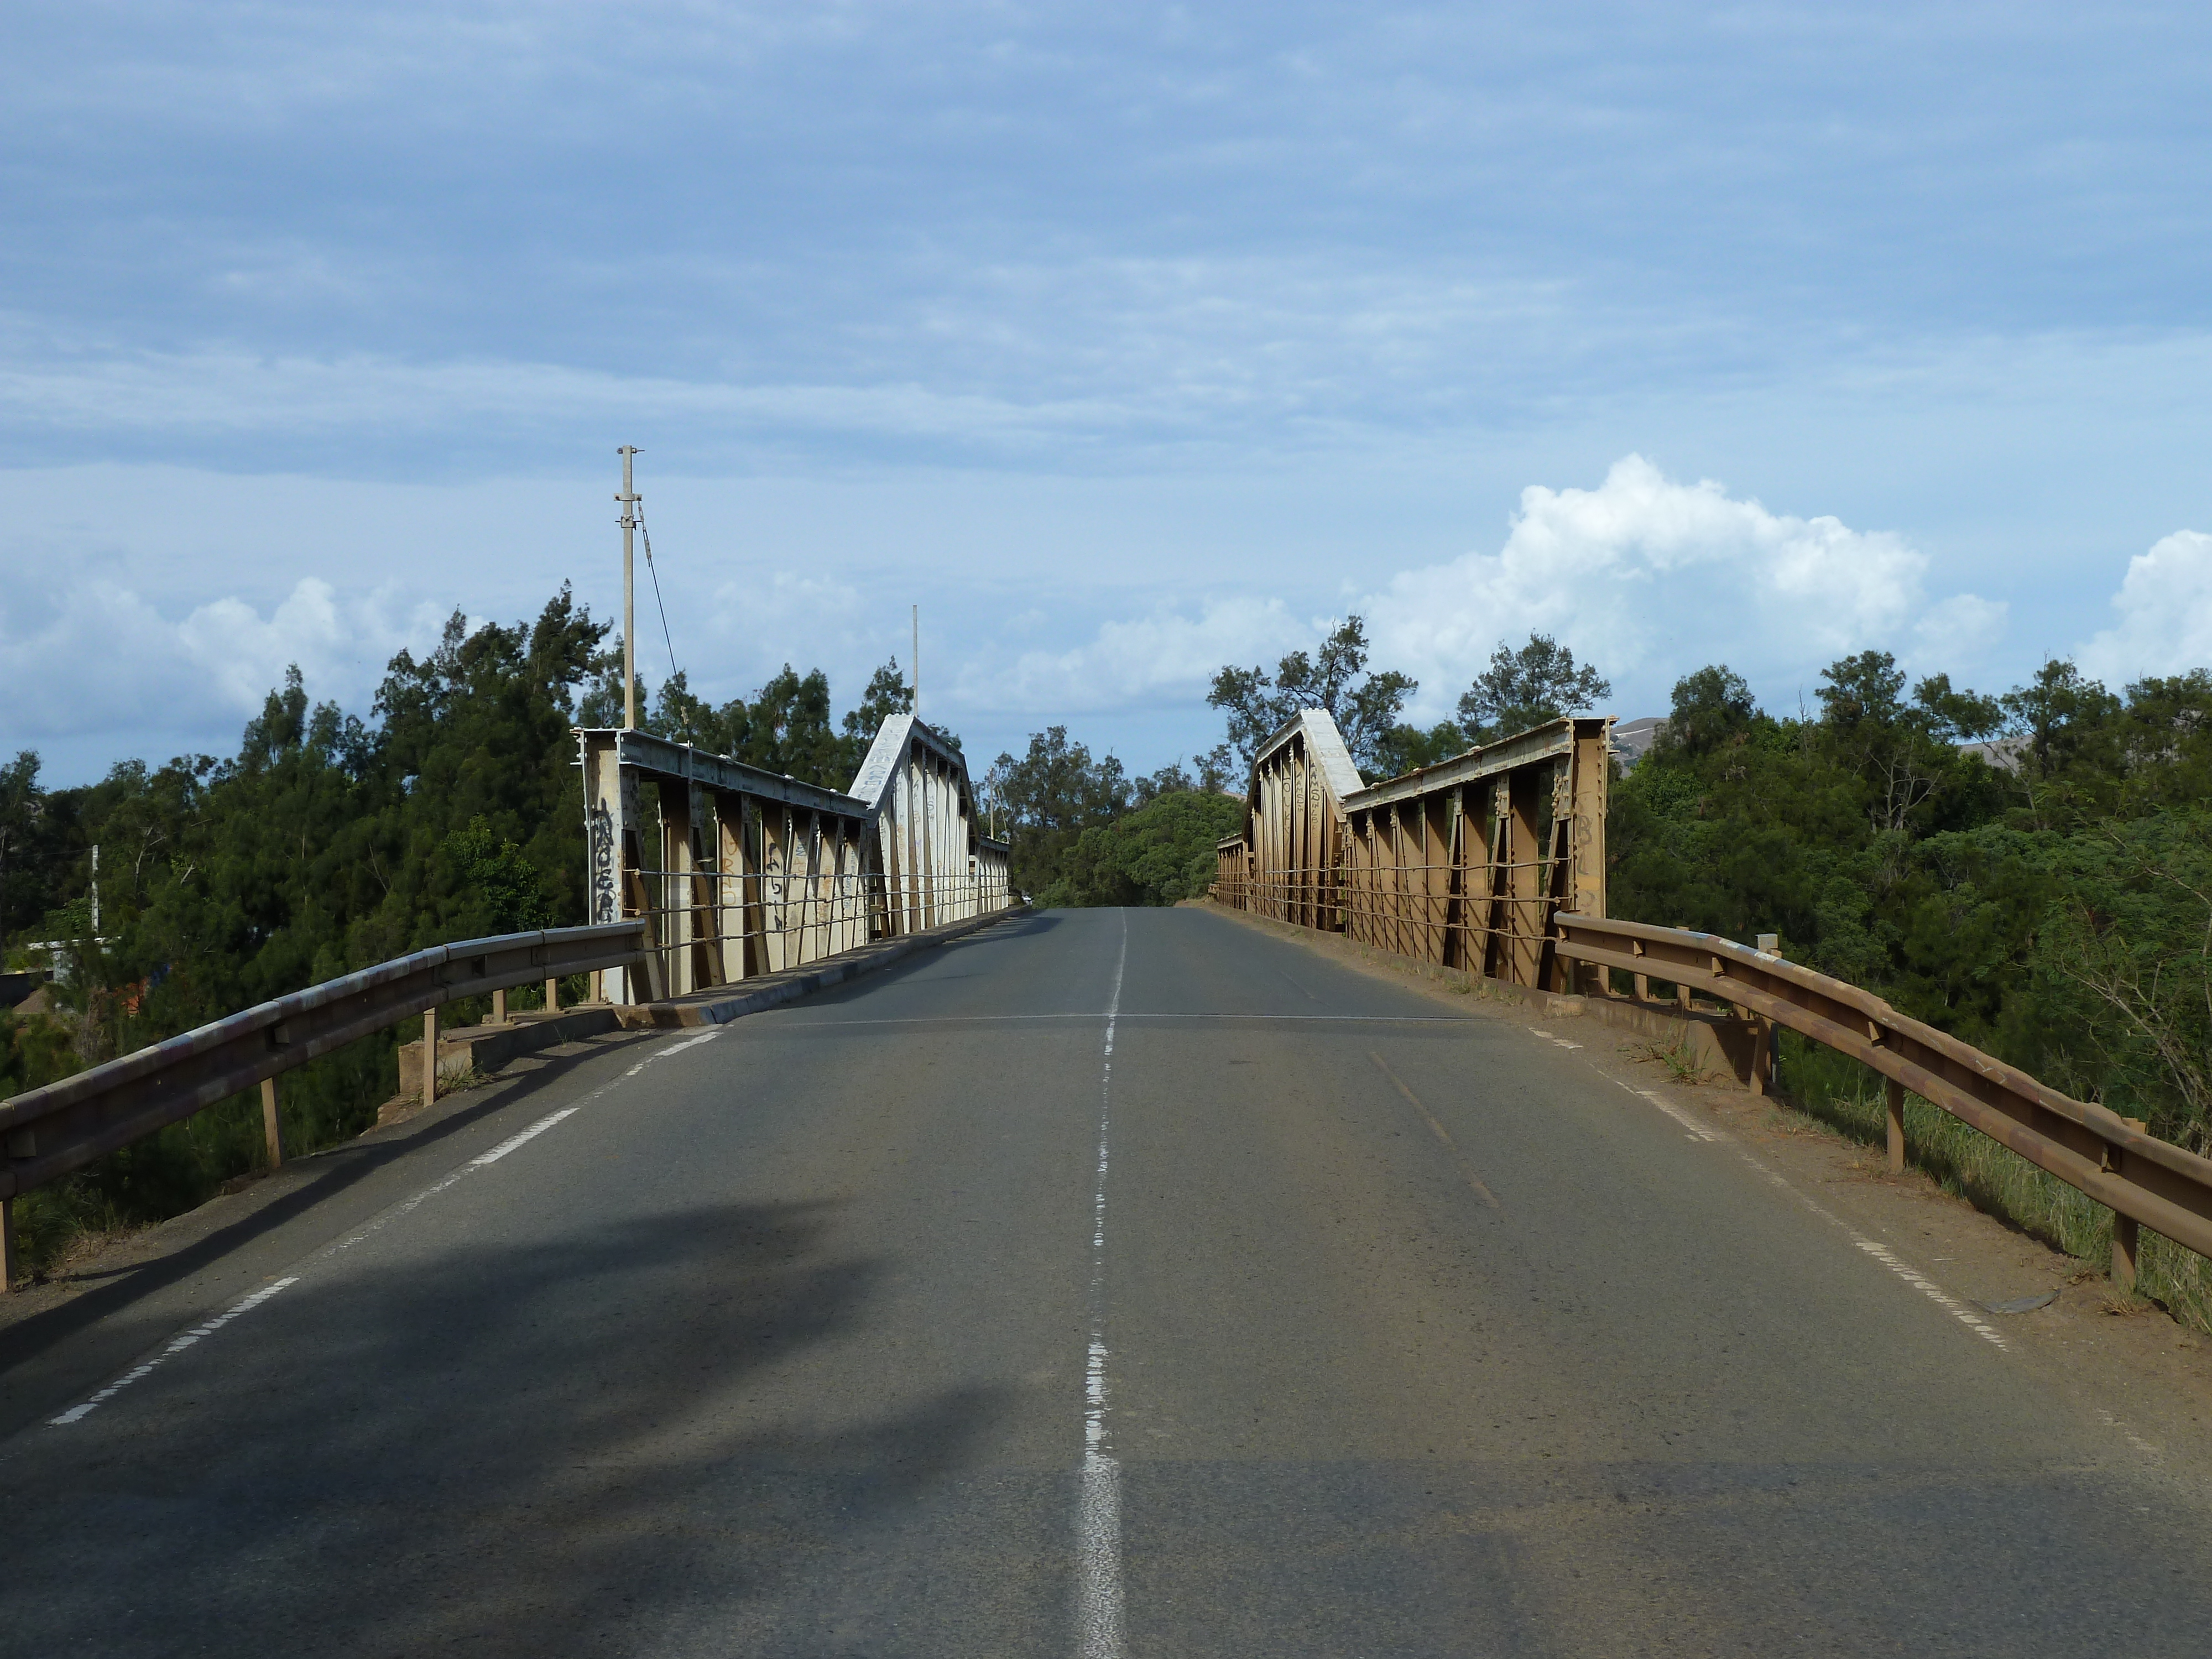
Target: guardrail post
point(1893, 1093)
point(499, 1006)
point(7, 1245)
point(552, 996)
point(271, 1130)
point(2126, 1235)
point(429, 1055)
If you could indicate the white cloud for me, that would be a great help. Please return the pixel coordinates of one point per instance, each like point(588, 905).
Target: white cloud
point(1643, 575)
point(85, 653)
point(1166, 653)
point(1957, 630)
point(2164, 605)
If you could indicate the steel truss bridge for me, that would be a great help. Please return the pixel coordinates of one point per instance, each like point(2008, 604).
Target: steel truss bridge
point(1349, 1265)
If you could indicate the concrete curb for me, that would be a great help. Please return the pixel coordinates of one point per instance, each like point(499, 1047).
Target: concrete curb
point(483, 1048)
point(726, 1003)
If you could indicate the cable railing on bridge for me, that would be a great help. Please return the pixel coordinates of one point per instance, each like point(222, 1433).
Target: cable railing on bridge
point(743, 923)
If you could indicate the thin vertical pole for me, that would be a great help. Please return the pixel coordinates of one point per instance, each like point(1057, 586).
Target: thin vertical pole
point(271, 1130)
point(629, 498)
point(429, 1055)
point(7, 1245)
point(1894, 1093)
point(917, 662)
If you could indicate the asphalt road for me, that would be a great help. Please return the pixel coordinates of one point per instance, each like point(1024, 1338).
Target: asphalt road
point(1301, 1316)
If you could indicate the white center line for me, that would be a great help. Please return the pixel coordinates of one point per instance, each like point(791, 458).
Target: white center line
point(1098, 1509)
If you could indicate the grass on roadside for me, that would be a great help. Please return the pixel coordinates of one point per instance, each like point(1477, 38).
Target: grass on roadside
point(1849, 1097)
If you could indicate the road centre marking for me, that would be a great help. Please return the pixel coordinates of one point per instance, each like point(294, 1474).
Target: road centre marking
point(1098, 1594)
point(406, 1206)
point(762, 1022)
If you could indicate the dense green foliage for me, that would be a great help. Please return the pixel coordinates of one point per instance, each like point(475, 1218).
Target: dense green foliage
point(1160, 852)
point(785, 727)
point(327, 845)
point(1518, 689)
point(1084, 832)
point(2058, 915)
point(1258, 704)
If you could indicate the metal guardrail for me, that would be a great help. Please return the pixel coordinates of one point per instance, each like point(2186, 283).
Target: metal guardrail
point(2143, 1179)
point(45, 1133)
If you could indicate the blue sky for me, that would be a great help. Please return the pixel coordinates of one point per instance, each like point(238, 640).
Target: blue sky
point(1127, 341)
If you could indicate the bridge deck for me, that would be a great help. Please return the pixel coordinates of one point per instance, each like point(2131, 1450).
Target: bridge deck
point(1415, 1336)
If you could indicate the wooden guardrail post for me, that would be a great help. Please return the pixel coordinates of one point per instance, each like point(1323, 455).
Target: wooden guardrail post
point(552, 996)
point(271, 1130)
point(429, 1055)
point(1893, 1098)
point(7, 1245)
point(2126, 1234)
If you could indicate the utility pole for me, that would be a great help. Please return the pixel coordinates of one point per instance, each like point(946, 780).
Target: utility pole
point(917, 662)
point(629, 499)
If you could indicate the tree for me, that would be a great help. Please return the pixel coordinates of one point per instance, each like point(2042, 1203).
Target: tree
point(1712, 708)
point(887, 693)
point(1405, 749)
point(1364, 706)
point(1047, 799)
point(1905, 754)
point(1521, 688)
point(1162, 852)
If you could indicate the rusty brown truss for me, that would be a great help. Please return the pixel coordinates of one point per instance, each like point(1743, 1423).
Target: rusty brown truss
point(1462, 864)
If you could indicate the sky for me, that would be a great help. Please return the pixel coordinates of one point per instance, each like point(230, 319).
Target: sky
point(1126, 341)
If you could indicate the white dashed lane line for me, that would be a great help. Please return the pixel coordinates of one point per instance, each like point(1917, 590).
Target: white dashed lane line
point(176, 1346)
point(406, 1207)
point(1960, 1310)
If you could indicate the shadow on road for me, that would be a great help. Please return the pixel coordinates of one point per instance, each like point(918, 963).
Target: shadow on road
point(311, 1180)
point(525, 1451)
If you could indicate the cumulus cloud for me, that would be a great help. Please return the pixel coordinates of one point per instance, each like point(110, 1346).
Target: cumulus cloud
point(1646, 576)
point(85, 654)
point(1168, 653)
point(1642, 576)
point(2165, 606)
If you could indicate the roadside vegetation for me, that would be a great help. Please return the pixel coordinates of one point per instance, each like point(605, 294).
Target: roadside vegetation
point(2031, 871)
point(329, 843)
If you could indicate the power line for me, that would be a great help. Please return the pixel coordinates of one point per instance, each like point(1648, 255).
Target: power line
point(653, 571)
